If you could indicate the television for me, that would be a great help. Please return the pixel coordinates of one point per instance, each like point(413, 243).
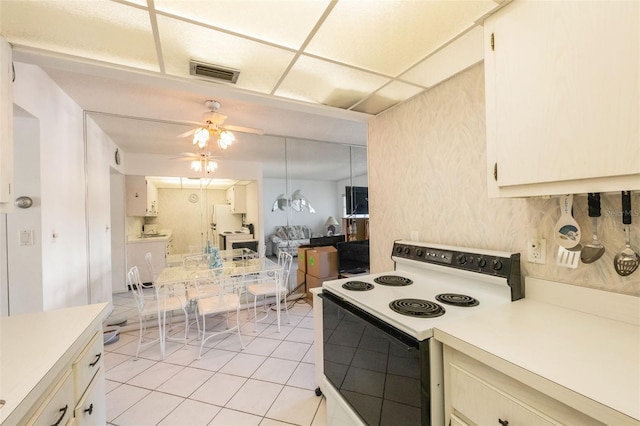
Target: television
point(357, 200)
point(353, 257)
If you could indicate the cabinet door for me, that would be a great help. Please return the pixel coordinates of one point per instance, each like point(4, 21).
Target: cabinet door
point(562, 92)
point(57, 407)
point(91, 409)
point(152, 199)
point(136, 195)
point(6, 127)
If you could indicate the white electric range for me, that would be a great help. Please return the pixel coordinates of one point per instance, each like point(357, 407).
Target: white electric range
point(380, 365)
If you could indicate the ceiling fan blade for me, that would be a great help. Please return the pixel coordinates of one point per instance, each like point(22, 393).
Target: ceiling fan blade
point(242, 129)
point(187, 134)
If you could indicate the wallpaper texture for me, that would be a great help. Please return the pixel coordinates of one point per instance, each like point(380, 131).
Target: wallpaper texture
point(427, 177)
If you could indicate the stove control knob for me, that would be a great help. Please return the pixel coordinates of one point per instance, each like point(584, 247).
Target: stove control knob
point(419, 252)
point(407, 250)
point(462, 259)
point(482, 262)
point(398, 249)
point(497, 264)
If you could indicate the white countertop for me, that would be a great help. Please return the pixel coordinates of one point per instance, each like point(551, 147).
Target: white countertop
point(564, 350)
point(35, 347)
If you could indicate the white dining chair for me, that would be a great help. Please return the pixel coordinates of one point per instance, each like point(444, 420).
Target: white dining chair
point(218, 293)
point(147, 305)
point(156, 302)
point(271, 285)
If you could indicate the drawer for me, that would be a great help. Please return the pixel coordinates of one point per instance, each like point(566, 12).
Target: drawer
point(484, 404)
point(87, 364)
point(91, 409)
point(57, 407)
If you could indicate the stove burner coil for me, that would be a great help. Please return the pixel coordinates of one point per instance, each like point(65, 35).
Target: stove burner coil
point(417, 308)
point(454, 299)
point(357, 286)
point(393, 280)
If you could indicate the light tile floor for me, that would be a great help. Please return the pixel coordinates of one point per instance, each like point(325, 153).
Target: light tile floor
point(270, 382)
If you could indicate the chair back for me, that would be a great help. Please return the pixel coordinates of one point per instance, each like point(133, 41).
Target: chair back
point(285, 260)
point(148, 258)
point(217, 283)
point(133, 279)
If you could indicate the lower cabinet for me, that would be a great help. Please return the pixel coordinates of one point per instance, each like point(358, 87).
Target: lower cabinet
point(57, 406)
point(476, 394)
point(78, 396)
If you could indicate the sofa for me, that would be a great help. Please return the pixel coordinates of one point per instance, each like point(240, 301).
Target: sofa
point(288, 238)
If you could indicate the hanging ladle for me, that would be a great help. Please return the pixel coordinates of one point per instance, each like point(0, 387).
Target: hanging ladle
point(593, 250)
point(627, 261)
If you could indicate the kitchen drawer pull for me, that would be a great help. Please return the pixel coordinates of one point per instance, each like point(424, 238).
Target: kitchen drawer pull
point(64, 412)
point(89, 410)
point(503, 422)
point(98, 356)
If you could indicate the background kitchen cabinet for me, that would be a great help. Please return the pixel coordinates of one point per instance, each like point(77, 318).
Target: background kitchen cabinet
point(142, 197)
point(562, 98)
point(237, 198)
point(136, 252)
point(6, 127)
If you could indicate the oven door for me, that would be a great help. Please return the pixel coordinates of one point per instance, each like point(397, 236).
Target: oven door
point(380, 371)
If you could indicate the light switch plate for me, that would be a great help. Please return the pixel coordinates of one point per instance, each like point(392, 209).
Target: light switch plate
point(26, 237)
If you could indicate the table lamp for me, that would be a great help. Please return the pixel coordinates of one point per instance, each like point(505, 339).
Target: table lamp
point(331, 225)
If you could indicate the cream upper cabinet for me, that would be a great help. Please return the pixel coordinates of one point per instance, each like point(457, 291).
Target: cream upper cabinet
point(141, 197)
point(562, 97)
point(6, 127)
point(237, 198)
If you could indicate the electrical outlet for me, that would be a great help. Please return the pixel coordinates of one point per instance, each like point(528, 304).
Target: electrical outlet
point(537, 251)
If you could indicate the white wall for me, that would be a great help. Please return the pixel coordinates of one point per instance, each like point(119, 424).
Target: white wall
point(25, 261)
point(64, 236)
point(66, 222)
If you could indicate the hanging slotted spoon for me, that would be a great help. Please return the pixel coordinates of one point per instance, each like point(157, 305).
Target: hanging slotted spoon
point(627, 261)
point(593, 250)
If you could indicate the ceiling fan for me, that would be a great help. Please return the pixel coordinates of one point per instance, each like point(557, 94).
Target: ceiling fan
point(212, 127)
point(202, 161)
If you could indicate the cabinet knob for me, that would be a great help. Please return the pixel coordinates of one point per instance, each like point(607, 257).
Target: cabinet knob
point(503, 422)
point(89, 410)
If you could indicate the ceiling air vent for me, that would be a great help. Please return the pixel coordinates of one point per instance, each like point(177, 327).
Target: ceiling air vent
point(213, 72)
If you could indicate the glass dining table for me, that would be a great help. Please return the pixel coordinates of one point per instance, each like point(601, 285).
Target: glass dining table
point(174, 260)
point(248, 267)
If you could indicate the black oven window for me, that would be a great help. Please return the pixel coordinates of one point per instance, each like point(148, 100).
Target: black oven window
point(379, 376)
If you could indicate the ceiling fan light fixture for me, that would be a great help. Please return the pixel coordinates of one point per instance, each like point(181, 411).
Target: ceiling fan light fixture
point(225, 139)
point(201, 137)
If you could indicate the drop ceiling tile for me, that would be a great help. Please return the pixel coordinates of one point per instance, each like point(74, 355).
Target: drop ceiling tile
point(318, 81)
point(390, 95)
point(260, 65)
point(283, 22)
point(459, 55)
point(100, 30)
point(400, 32)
